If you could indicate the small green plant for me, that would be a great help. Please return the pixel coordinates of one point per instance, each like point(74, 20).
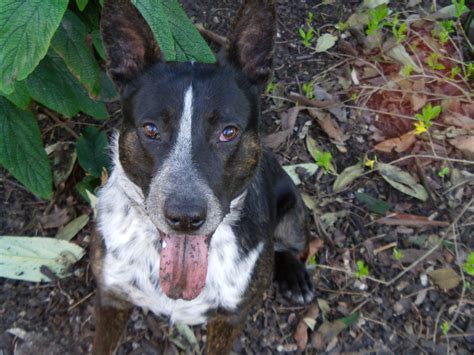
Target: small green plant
point(362, 269)
point(455, 71)
point(443, 172)
point(308, 90)
point(433, 62)
point(446, 28)
point(445, 327)
point(312, 261)
point(342, 26)
point(397, 254)
point(459, 7)
point(307, 36)
point(469, 265)
point(407, 70)
point(469, 70)
point(376, 16)
point(428, 113)
point(399, 30)
point(323, 160)
point(271, 87)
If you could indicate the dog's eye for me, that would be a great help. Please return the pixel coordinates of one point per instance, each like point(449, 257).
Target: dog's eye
point(151, 131)
point(228, 133)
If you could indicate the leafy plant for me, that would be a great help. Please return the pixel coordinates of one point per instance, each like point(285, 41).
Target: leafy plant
point(308, 90)
point(306, 36)
point(399, 30)
point(459, 7)
point(362, 269)
point(271, 86)
point(397, 254)
point(323, 160)
point(376, 16)
point(469, 265)
point(455, 71)
point(428, 113)
point(51, 54)
point(443, 172)
point(433, 62)
point(469, 70)
point(445, 327)
point(407, 70)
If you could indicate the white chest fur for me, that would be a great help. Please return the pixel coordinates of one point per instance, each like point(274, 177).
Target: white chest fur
point(132, 262)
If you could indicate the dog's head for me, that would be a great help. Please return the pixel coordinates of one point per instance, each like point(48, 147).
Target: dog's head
point(189, 138)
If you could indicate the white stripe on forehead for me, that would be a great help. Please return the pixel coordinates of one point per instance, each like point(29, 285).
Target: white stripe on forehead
point(183, 145)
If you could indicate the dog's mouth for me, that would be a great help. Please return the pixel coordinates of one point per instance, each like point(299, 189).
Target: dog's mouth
point(183, 265)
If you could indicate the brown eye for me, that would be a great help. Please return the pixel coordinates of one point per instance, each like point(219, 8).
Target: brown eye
point(151, 131)
point(228, 133)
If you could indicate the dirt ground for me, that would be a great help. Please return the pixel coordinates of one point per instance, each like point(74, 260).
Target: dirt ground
point(402, 314)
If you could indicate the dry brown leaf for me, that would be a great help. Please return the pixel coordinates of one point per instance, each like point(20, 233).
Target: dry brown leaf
point(402, 219)
point(445, 278)
point(328, 125)
point(288, 118)
point(58, 218)
point(275, 140)
point(399, 144)
point(417, 101)
point(465, 144)
point(315, 245)
point(301, 332)
point(458, 120)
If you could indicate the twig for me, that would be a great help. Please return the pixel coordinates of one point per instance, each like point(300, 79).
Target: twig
point(312, 103)
point(61, 123)
point(383, 282)
point(212, 36)
point(81, 301)
point(385, 247)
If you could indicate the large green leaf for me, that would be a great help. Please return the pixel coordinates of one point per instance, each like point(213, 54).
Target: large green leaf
point(70, 43)
point(154, 14)
point(52, 85)
point(32, 258)
point(20, 96)
point(21, 149)
point(189, 44)
point(92, 151)
point(26, 28)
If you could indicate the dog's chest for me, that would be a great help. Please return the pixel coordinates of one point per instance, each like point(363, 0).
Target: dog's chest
point(131, 264)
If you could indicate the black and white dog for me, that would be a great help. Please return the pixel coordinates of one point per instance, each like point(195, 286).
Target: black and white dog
point(196, 217)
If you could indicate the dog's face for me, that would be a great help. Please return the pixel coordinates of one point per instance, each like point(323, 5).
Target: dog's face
point(189, 138)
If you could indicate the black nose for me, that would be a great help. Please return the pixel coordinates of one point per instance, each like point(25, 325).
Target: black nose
point(184, 216)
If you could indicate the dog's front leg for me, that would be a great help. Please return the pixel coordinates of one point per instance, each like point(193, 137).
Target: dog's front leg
point(111, 320)
point(221, 334)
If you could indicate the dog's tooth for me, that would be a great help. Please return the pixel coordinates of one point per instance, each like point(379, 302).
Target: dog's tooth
point(163, 244)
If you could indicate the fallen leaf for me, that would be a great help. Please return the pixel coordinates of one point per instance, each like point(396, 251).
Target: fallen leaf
point(72, 228)
point(329, 330)
point(372, 4)
point(402, 181)
point(337, 110)
point(328, 125)
point(465, 144)
point(58, 218)
point(311, 168)
point(445, 278)
point(187, 332)
point(457, 119)
point(22, 258)
point(325, 42)
point(399, 144)
point(403, 219)
point(288, 118)
point(309, 201)
point(347, 176)
point(315, 245)
point(275, 140)
point(418, 102)
point(400, 55)
point(308, 321)
point(374, 205)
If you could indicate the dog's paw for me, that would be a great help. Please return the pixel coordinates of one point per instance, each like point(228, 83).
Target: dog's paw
point(293, 279)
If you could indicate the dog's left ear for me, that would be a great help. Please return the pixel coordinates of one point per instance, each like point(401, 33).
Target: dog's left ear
point(251, 41)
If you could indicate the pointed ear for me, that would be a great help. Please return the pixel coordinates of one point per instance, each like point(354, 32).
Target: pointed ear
point(251, 40)
point(128, 41)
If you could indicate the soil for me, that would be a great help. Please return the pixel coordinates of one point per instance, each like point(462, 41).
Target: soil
point(402, 316)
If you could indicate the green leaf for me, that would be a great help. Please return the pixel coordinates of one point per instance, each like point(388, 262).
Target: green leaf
point(20, 96)
point(22, 258)
point(81, 4)
point(88, 184)
point(92, 151)
point(70, 43)
point(52, 85)
point(154, 14)
point(373, 204)
point(188, 42)
point(325, 42)
point(98, 45)
point(107, 88)
point(26, 29)
point(402, 181)
point(21, 149)
point(72, 228)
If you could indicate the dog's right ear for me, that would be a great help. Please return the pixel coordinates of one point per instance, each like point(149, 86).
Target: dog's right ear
point(128, 41)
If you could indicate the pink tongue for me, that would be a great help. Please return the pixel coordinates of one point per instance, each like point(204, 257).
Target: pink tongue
point(183, 265)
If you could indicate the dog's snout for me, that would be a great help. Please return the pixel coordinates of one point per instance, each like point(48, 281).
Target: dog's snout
point(185, 216)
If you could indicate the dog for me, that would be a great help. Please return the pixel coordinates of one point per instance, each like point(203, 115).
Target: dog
point(196, 218)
